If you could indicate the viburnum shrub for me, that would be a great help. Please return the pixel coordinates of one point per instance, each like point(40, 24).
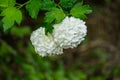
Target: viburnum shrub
point(63, 22)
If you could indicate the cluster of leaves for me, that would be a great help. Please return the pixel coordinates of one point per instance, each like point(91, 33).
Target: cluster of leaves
point(55, 12)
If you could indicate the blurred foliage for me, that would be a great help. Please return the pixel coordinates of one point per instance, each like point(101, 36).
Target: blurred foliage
point(18, 61)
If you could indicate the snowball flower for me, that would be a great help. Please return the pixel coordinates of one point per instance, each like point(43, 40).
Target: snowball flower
point(44, 44)
point(67, 34)
point(70, 32)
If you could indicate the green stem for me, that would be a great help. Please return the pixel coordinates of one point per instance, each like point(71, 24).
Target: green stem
point(59, 6)
point(21, 5)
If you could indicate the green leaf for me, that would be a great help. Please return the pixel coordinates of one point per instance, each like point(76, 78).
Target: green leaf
point(33, 8)
point(49, 29)
point(79, 10)
point(7, 3)
point(67, 3)
point(54, 14)
point(11, 15)
point(48, 4)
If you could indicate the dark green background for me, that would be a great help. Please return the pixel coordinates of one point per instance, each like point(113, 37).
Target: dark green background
point(97, 58)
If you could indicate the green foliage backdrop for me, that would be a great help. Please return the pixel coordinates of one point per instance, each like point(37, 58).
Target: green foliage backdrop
point(18, 61)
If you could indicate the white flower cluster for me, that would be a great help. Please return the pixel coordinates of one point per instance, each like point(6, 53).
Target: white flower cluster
point(67, 34)
point(70, 32)
point(44, 45)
